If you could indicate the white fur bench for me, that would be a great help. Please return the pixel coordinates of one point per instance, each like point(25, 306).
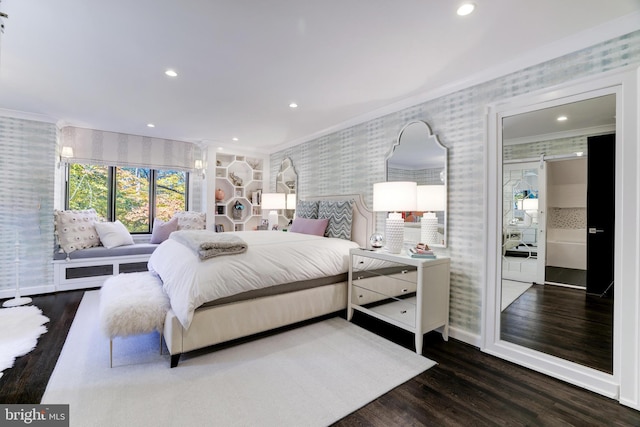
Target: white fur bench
point(131, 304)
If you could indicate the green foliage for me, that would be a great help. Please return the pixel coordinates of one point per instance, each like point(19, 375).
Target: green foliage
point(89, 188)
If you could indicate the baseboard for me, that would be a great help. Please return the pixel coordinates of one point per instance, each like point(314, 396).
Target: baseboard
point(465, 336)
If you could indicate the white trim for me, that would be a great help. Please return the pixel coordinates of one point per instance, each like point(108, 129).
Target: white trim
point(590, 37)
point(625, 381)
point(591, 131)
point(28, 290)
point(14, 114)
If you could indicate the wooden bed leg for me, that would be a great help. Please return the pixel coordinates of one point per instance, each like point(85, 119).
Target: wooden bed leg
point(175, 358)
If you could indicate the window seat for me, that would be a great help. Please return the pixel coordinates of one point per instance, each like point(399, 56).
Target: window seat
point(89, 268)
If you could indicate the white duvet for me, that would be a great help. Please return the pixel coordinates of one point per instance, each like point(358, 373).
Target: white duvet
point(272, 258)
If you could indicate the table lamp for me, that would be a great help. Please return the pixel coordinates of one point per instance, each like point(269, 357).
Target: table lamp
point(431, 198)
point(273, 202)
point(394, 197)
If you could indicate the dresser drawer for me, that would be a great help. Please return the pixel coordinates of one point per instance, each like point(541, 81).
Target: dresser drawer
point(378, 288)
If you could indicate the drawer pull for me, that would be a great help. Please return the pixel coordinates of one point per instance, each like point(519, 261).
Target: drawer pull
point(360, 262)
point(360, 296)
point(405, 271)
point(359, 277)
point(405, 290)
point(403, 311)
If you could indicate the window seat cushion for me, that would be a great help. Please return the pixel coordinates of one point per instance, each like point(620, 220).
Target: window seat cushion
point(101, 251)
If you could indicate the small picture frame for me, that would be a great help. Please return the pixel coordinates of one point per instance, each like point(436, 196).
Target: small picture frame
point(219, 228)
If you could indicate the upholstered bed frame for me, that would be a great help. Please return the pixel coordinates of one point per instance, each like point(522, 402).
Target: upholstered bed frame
point(219, 323)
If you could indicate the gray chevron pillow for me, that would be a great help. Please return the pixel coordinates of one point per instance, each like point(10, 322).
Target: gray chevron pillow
point(307, 209)
point(340, 215)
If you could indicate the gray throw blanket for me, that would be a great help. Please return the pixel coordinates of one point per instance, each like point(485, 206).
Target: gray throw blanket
point(207, 244)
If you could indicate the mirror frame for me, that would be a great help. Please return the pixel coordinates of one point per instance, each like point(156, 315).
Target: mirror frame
point(285, 212)
point(430, 138)
point(625, 381)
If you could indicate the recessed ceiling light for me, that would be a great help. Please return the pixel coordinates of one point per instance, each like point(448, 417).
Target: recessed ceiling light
point(561, 118)
point(171, 73)
point(150, 125)
point(465, 9)
point(234, 139)
point(293, 105)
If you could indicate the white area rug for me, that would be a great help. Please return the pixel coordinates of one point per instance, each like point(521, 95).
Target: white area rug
point(511, 291)
point(309, 376)
point(20, 328)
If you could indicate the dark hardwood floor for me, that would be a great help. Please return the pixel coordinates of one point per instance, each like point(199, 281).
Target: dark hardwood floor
point(466, 388)
point(563, 322)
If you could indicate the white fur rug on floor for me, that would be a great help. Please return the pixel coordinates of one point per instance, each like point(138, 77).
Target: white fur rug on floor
point(309, 376)
point(20, 328)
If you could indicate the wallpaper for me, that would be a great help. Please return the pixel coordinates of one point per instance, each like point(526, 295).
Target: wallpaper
point(352, 160)
point(27, 162)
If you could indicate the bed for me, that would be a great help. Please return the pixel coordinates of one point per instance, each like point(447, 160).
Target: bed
point(289, 301)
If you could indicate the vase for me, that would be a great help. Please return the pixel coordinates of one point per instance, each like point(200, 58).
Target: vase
point(219, 194)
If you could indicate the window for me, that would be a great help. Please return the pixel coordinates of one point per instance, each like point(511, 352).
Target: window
point(135, 196)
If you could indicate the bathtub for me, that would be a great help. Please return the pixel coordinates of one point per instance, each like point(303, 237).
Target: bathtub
point(567, 248)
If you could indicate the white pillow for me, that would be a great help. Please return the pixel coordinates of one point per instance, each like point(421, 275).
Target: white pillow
point(191, 220)
point(113, 234)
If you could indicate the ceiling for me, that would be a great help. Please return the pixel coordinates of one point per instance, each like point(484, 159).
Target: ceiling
point(241, 63)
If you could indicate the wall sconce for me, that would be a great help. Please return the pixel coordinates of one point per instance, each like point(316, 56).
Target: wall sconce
point(199, 167)
point(394, 197)
point(431, 199)
point(65, 154)
point(273, 202)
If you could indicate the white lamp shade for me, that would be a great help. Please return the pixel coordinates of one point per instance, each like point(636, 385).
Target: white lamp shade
point(197, 164)
point(273, 201)
point(291, 201)
point(394, 196)
point(432, 198)
point(66, 152)
point(530, 204)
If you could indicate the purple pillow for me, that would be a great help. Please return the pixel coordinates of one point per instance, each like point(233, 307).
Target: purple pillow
point(161, 229)
point(314, 227)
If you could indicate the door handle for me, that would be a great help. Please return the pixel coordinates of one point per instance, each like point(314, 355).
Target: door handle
point(593, 230)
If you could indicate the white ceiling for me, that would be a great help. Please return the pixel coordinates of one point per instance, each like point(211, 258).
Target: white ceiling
point(100, 64)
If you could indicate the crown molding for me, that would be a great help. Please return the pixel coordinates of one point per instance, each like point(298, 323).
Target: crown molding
point(15, 114)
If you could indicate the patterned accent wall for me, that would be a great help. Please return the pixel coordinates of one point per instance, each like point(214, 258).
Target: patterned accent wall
point(27, 162)
point(352, 160)
point(573, 218)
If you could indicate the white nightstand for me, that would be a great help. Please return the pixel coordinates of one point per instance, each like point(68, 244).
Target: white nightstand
point(411, 293)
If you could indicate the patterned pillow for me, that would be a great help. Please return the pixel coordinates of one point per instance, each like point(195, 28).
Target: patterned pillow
point(307, 209)
point(190, 220)
point(340, 215)
point(75, 229)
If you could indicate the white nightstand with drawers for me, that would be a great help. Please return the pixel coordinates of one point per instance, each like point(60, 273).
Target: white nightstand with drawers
point(410, 293)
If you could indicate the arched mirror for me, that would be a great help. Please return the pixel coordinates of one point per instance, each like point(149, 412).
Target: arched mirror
point(287, 183)
point(419, 156)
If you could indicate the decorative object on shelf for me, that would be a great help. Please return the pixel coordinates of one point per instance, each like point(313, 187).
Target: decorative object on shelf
point(254, 163)
point(376, 241)
point(219, 194)
point(238, 209)
point(237, 181)
point(431, 199)
point(218, 163)
point(394, 197)
point(273, 202)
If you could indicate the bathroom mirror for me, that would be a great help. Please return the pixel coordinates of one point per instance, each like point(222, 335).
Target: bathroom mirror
point(419, 156)
point(287, 183)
